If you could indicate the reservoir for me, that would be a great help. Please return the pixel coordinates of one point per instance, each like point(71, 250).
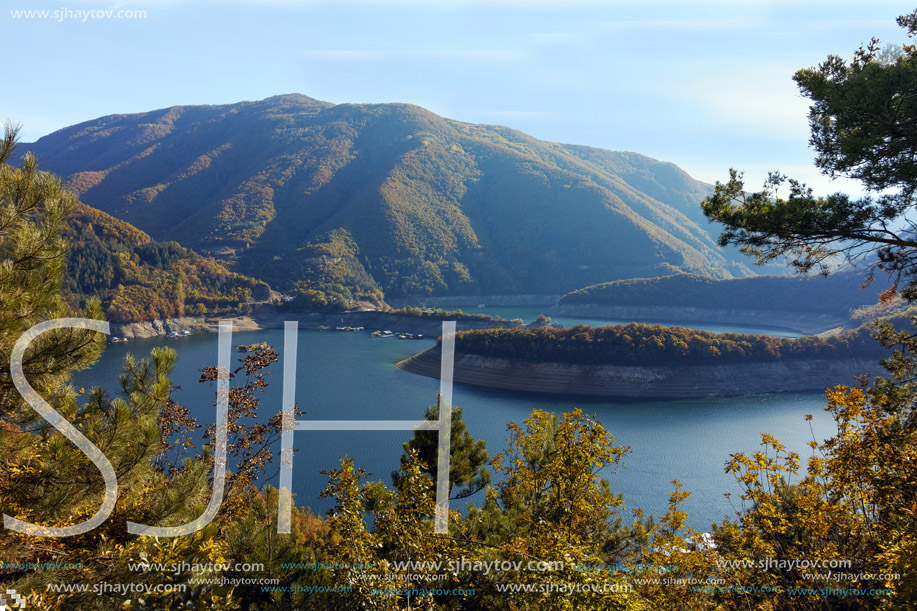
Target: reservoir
point(353, 376)
point(529, 313)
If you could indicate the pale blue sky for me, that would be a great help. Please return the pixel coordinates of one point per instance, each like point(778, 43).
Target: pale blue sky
point(706, 85)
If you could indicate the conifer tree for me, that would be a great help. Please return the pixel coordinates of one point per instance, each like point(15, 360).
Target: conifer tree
point(468, 460)
point(33, 209)
point(862, 128)
point(46, 480)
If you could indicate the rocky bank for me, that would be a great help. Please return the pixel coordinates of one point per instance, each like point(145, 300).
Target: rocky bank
point(663, 382)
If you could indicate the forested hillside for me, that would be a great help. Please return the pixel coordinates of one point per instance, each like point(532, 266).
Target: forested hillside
point(139, 279)
point(386, 198)
point(652, 345)
point(838, 294)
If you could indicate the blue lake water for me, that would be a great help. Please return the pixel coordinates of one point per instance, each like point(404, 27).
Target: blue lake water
point(529, 313)
point(353, 376)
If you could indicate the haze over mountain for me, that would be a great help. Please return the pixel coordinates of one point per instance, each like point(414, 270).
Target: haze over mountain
point(364, 198)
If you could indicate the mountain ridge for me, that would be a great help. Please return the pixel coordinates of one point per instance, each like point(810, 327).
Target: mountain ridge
point(426, 205)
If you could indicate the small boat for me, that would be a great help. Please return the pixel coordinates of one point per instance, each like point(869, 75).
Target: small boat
point(348, 329)
point(173, 334)
point(382, 334)
point(186, 332)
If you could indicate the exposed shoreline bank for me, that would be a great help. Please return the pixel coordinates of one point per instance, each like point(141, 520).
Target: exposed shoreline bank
point(648, 382)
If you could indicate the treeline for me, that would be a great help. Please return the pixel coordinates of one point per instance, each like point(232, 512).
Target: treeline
point(327, 272)
point(138, 279)
point(837, 294)
point(440, 314)
point(647, 345)
point(311, 300)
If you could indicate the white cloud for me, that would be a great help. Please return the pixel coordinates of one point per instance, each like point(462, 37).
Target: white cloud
point(556, 37)
point(754, 98)
point(516, 115)
point(678, 25)
point(502, 55)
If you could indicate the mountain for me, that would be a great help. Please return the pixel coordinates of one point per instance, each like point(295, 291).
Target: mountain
point(366, 199)
point(839, 294)
point(139, 279)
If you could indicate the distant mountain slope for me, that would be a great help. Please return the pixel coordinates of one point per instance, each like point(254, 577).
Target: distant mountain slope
point(423, 204)
point(138, 279)
point(838, 294)
point(662, 181)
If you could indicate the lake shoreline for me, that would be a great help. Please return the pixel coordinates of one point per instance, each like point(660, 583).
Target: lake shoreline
point(369, 320)
point(645, 382)
point(267, 316)
point(804, 323)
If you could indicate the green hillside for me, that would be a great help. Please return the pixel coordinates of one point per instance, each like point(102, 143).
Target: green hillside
point(838, 294)
point(139, 279)
point(413, 203)
point(653, 345)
